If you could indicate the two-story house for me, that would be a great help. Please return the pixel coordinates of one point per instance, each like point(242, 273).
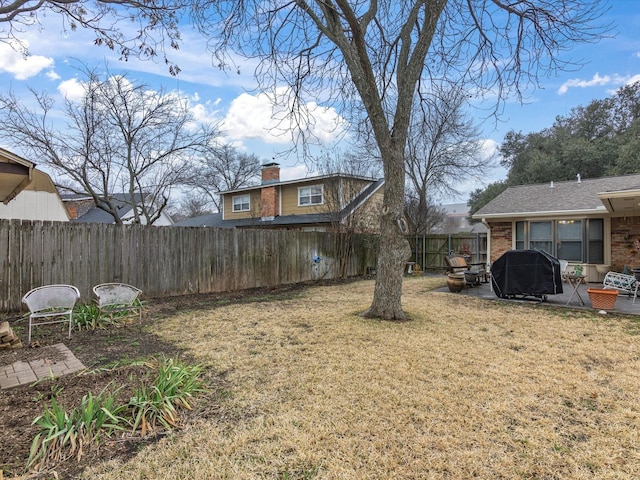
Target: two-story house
point(321, 203)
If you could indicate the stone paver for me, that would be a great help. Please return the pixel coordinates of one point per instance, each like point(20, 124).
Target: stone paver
point(24, 373)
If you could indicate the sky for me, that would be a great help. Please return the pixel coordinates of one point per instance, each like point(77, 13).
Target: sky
point(248, 119)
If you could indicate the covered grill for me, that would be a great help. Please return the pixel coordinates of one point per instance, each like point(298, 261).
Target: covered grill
point(526, 273)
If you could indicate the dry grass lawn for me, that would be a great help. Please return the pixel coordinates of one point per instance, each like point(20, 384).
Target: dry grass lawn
point(468, 388)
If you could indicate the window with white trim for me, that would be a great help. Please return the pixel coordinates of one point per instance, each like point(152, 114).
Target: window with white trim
point(313, 195)
point(241, 203)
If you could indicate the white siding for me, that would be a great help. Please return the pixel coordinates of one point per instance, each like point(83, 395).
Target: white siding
point(35, 205)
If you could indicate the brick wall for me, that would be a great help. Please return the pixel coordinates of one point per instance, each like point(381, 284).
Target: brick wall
point(501, 237)
point(269, 202)
point(77, 208)
point(624, 231)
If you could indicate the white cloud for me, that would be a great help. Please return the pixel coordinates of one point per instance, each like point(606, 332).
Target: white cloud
point(633, 79)
point(71, 89)
point(267, 117)
point(489, 149)
point(614, 80)
point(596, 80)
point(293, 173)
point(20, 66)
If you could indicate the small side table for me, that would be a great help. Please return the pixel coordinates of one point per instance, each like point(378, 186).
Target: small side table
point(574, 283)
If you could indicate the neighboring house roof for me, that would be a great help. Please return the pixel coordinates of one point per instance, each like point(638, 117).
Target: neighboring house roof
point(123, 202)
point(215, 220)
point(15, 175)
point(588, 196)
point(456, 220)
point(272, 183)
point(209, 220)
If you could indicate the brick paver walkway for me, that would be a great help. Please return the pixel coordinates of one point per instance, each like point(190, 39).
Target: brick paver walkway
point(23, 373)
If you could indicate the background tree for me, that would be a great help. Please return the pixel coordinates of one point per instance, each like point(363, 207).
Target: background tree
point(371, 58)
point(600, 139)
point(120, 137)
point(189, 206)
point(141, 28)
point(443, 146)
point(223, 169)
point(345, 172)
point(422, 216)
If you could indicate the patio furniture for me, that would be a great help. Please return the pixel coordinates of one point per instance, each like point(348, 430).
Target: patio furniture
point(563, 268)
point(622, 282)
point(526, 273)
point(114, 298)
point(51, 304)
point(473, 272)
point(575, 281)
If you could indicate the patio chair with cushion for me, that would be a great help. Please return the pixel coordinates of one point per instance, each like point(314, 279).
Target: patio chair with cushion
point(51, 304)
point(473, 272)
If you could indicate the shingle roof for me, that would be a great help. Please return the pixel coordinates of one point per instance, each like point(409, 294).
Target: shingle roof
point(123, 203)
point(567, 196)
point(215, 220)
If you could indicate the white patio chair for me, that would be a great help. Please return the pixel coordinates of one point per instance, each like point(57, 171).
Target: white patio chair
point(51, 304)
point(563, 268)
point(117, 297)
point(623, 283)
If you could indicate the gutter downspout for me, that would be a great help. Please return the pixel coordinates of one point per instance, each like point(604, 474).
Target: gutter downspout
point(488, 262)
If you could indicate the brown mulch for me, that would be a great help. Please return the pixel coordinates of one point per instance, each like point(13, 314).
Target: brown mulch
point(100, 351)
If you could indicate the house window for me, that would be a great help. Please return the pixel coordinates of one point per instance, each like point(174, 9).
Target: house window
point(241, 203)
point(312, 195)
point(541, 236)
point(595, 245)
point(569, 240)
point(573, 240)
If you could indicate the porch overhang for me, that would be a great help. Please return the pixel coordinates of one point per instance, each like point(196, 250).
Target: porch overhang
point(14, 177)
point(622, 202)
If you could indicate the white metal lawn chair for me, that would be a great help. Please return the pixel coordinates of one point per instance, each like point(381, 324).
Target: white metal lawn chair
point(113, 298)
point(51, 304)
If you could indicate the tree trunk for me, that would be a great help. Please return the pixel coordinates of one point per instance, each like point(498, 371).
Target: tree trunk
point(394, 247)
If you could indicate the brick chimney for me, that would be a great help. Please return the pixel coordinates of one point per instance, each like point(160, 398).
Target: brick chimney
point(269, 195)
point(72, 210)
point(270, 173)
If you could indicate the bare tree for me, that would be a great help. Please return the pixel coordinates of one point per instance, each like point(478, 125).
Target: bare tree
point(348, 207)
point(141, 28)
point(422, 215)
point(371, 57)
point(443, 147)
point(189, 206)
point(224, 169)
point(119, 138)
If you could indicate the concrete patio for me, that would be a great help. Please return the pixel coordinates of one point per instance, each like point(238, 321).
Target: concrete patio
point(624, 303)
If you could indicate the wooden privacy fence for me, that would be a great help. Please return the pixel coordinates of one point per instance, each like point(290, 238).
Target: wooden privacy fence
point(164, 261)
point(429, 251)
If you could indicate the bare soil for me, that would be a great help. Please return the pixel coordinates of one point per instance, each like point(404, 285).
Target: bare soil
point(107, 354)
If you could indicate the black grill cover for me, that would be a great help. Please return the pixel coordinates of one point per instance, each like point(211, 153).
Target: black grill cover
point(526, 272)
